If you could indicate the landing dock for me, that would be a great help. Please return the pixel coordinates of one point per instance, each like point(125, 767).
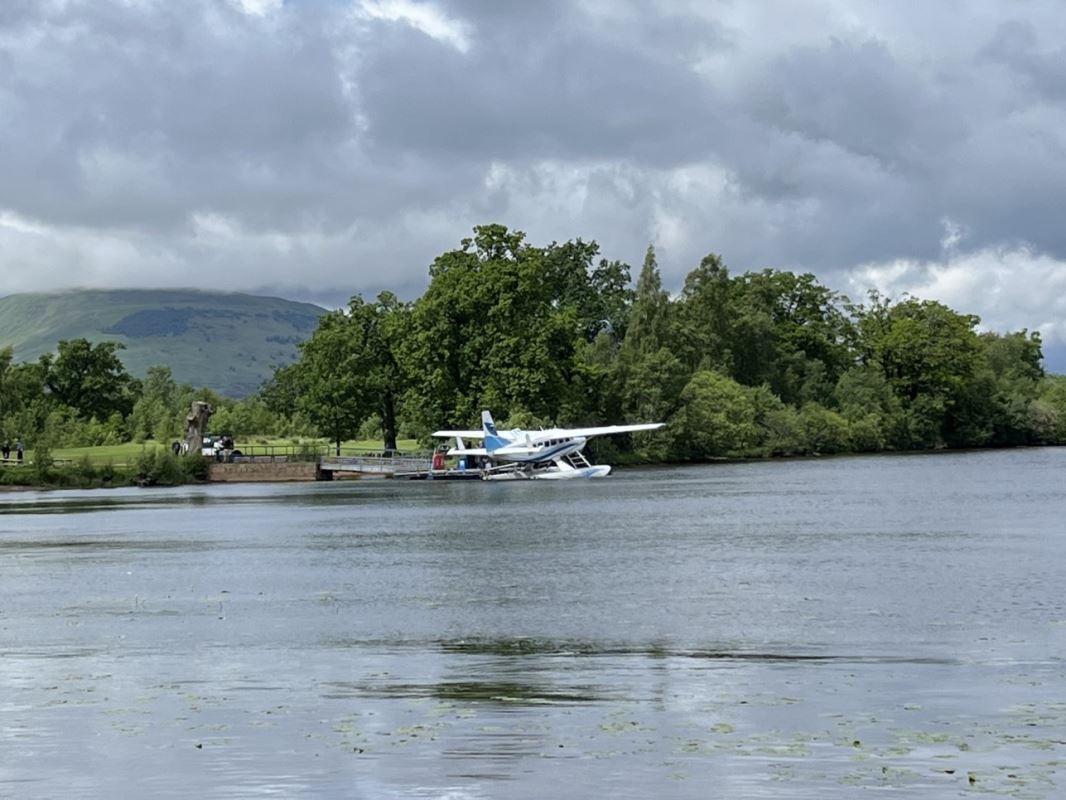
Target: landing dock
point(301, 464)
point(400, 467)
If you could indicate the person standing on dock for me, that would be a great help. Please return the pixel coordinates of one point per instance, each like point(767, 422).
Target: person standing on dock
point(20, 450)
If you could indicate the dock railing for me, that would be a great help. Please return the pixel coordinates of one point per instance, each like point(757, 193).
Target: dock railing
point(351, 459)
point(376, 462)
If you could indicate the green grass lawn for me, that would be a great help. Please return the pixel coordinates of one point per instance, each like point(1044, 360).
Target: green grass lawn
point(115, 453)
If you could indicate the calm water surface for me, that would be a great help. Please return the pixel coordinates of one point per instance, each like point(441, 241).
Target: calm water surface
point(811, 629)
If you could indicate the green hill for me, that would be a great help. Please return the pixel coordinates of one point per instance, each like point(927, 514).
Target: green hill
point(227, 342)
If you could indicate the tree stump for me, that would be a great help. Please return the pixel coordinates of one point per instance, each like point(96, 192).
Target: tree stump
point(196, 426)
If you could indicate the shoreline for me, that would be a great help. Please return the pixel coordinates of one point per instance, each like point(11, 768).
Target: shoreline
point(11, 488)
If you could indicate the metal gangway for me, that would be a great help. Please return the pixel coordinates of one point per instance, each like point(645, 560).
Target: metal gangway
point(383, 464)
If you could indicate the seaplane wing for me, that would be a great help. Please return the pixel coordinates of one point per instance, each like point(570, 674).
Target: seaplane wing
point(607, 430)
point(460, 434)
point(554, 433)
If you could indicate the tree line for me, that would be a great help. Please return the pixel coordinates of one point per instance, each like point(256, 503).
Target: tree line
point(761, 363)
point(82, 396)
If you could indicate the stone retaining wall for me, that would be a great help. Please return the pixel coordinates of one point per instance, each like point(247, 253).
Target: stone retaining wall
point(262, 471)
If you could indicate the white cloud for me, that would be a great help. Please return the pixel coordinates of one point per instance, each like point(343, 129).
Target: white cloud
point(17, 223)
point(424, 17)
point(1010, 288)
point(260, 8)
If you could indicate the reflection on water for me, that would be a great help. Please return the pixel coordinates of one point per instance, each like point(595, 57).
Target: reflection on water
point(804, 629)
point(525, 647)
point(470, 691)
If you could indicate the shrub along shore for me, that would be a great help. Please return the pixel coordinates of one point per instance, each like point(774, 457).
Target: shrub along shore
point(151, 467)
point(146, 464)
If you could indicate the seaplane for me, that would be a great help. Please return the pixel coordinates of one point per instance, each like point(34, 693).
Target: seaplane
point(552, 454)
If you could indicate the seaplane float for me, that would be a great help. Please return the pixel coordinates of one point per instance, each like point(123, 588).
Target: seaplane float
point(552, 454)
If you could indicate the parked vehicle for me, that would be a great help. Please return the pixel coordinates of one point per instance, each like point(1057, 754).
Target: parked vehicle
point(220, 447)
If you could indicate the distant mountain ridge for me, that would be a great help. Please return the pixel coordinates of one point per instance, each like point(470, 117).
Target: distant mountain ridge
point(229, 342)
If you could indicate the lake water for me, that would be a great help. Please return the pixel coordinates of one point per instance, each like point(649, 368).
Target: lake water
point(802, 629)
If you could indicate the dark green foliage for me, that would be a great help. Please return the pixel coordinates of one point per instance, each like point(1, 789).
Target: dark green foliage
point(823, 431)
point(770, 327)
point(650, 376)
point(89, 379)
point(194, 468)
point(158, 467)
point(18, 476)
point(82, 474)
point(930, 356)
point(766, 362)
point(42, 460)
point(329, 380)
point(349, 371)
point(717, 417)
point(499, 327)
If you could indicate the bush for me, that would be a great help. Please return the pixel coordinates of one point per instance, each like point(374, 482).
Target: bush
point(82, 474)
point(160, 468)
point(85, 473)
point(824, 431)
point(17, 476)
point(782, 432)
point(716, 418)
point(305, 451)
point(866, 433)
point(194, 467)
point(42, 460)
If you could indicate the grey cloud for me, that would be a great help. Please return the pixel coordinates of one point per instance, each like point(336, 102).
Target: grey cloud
point(335, 152)
point(1016, 45)
point(194, 106)
point(859, 96)
point(559, 96)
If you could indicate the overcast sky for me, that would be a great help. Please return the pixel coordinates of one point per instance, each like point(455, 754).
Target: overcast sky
point(317, 148)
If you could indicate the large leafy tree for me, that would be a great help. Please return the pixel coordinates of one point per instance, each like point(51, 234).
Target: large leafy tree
point(348, 371)
point(771, 327)
point(717, 417)
point(376, 330)
point(24, 406)
point(787, 331)
point(995, 405)
point(600, 294)
point(89, 378)
point(705, 317)
point(928, 354)
point(497, 328)
point(650, 375)
point(599, 297)
point(281, 394)
point(9, 393)
point(331, 386)
point(155, 414)
point(650, 314)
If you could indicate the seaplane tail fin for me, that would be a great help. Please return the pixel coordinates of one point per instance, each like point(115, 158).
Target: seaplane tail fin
point(493, 440)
